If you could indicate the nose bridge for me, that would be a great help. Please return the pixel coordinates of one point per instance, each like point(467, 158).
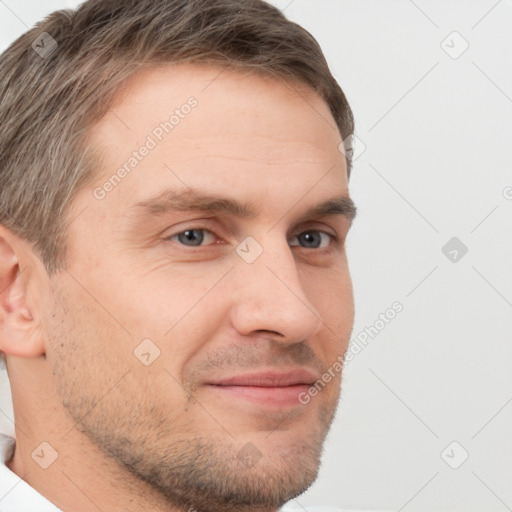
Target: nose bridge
point(271, 296)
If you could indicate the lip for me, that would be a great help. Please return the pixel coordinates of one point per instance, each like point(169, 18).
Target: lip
point(269, 388)
point(269, 379)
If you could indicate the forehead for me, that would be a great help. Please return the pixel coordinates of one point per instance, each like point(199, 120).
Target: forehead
point(231, 103)
point(216, 126)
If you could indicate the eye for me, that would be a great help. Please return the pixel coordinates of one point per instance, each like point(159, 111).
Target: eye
point(312, 240)
point(193, 237)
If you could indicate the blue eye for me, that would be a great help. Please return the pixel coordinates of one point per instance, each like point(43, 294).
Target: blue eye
point(311, 240)
point(193, 237)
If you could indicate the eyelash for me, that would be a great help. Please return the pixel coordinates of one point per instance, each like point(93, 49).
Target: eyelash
point(333, 239)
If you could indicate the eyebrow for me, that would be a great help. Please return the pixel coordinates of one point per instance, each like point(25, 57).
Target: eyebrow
point(190, 200)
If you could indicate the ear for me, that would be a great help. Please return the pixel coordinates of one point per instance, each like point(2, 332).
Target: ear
point(20, 333)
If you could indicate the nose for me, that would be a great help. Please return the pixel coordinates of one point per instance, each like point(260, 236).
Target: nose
point(270, 299)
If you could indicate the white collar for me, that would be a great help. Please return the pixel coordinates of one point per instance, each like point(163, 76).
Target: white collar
point(15, 494)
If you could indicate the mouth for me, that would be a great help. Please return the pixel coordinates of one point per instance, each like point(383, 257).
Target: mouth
point(269, 389)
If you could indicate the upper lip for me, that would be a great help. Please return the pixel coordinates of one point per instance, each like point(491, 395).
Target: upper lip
point(271, 378)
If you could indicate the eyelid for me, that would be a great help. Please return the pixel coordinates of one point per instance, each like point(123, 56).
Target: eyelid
point(205, 223)
point(316, 226)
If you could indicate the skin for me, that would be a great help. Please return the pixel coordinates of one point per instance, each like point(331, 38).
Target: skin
point(134, 437)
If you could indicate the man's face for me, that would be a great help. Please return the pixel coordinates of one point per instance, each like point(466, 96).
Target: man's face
point(179, 345)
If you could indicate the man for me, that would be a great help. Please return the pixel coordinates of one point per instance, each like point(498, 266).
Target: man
point(175, 295)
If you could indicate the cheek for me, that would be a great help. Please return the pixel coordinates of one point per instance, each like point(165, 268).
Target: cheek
point(344, 307)
point(331, 294)
point(163, 297)
point(90, 345)
point(96, 371)
point(75, 353)
point(329, 289)
point(181, 314)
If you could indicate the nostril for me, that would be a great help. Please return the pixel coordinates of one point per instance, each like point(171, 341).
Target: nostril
point(264, 333)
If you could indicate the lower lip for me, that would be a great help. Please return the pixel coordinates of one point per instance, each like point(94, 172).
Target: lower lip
point(284, 396)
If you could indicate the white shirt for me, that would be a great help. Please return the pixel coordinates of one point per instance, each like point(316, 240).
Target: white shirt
point(15, 494)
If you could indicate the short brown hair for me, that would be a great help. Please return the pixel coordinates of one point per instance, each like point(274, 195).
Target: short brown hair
point(60, 77)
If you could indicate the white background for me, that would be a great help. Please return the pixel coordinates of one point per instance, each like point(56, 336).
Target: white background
point(435, 134)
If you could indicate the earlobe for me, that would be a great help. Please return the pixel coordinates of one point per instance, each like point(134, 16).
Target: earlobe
point(20, 333)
